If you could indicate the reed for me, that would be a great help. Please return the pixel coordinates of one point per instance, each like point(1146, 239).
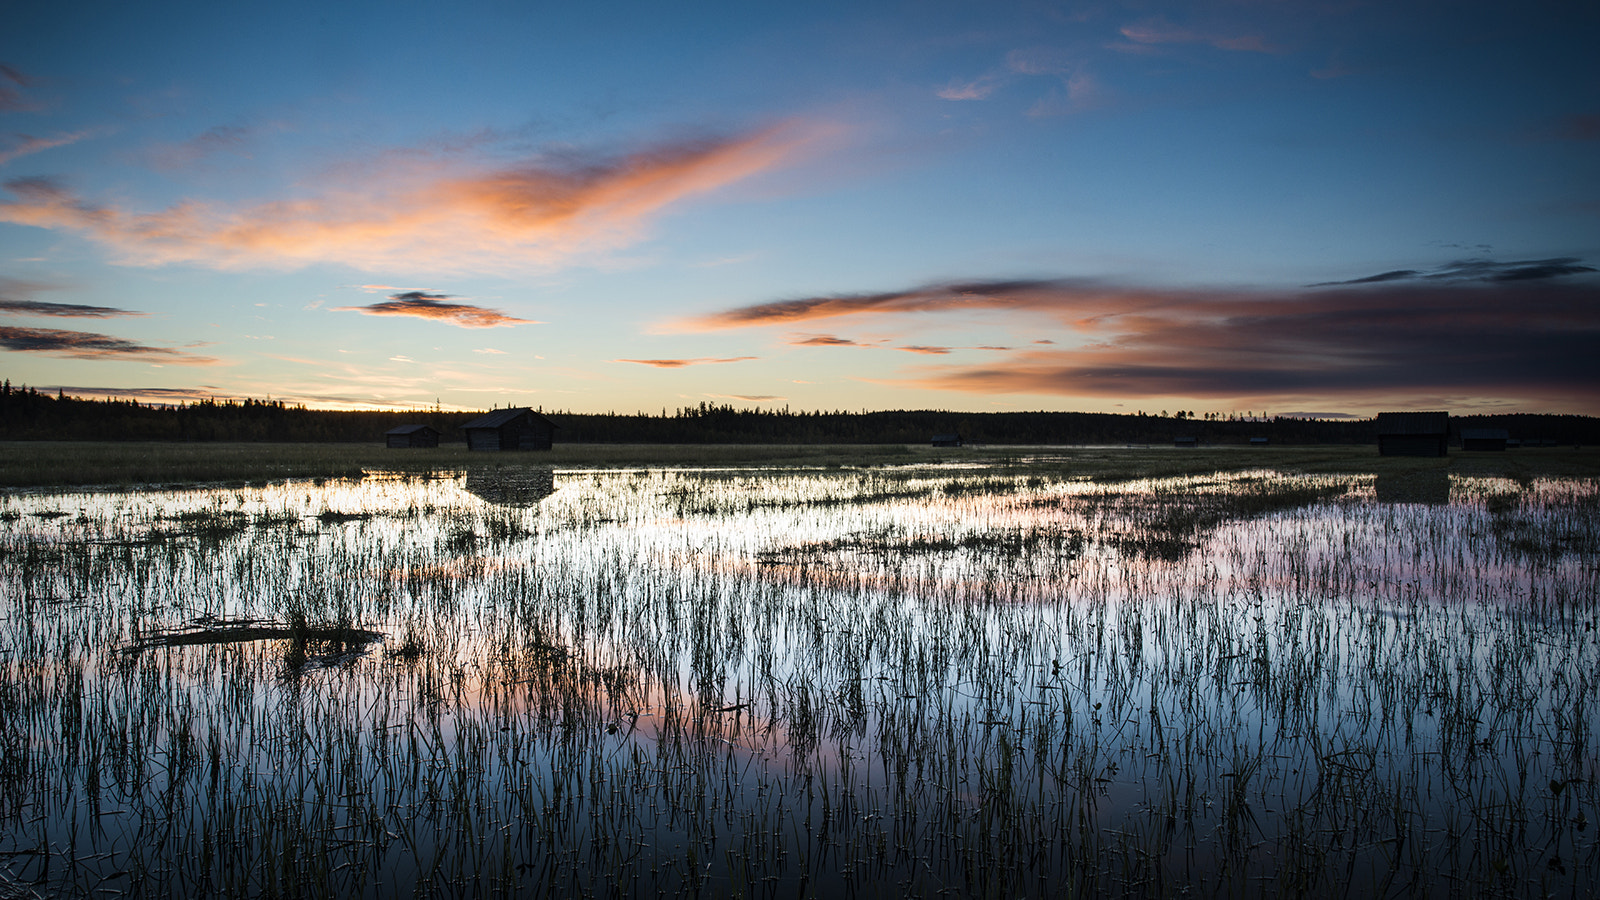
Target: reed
point(762, 682)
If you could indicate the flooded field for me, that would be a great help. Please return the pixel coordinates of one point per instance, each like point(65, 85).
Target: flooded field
point(977, 681)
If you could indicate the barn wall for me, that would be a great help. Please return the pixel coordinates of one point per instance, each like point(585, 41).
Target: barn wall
point(1411, 445)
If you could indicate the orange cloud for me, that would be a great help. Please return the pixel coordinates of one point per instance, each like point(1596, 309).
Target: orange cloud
point(88, 345)
point(410, 214)
point(680, 363)
point(433, 306)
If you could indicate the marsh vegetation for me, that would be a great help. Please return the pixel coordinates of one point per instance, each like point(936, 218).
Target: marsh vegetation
point(991, 678)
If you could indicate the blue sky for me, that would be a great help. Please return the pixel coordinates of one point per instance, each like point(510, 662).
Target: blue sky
point(1240, 206)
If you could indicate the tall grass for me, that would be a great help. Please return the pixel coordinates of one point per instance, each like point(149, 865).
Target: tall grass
point(653, 682)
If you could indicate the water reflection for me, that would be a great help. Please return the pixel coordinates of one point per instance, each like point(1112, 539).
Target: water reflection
point(908, 675)
point(519, 487)
point(1426, 486)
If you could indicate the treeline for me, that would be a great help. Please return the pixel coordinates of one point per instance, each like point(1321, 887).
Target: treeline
point(713, 424)
point(27, 414)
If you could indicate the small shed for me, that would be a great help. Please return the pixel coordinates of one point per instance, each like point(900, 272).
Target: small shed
point(1413, 433)
point(1259, 442)
point(517, 428)
point(1185, 440)
point(411, 436)
point(1484, 438)
point(947, 440)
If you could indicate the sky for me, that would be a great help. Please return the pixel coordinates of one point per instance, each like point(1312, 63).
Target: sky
point(1256, 206)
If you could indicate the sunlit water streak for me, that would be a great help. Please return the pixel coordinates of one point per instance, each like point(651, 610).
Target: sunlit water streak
point(664, 680)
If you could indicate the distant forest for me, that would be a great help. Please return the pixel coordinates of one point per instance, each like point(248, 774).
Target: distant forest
point(27, 414)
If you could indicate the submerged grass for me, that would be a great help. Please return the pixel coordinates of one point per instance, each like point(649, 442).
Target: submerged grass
point(814, 683)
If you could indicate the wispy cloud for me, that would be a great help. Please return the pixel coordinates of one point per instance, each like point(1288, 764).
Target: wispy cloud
point(680, 363)
point(1336, 68)
point(230, 139)
point(11, 96)
point(64, 310)
point(826, 340)
point(977, 89)
point(829, 340)
point(148, 395)
point(748, 398)
point(88, 345)
point(1524, 326)
point(1020, 294)
point(422, 305)
point(1479, 270)
point(16, 299)
point(20, 145)
point(1159, 30)
point(411, 212)
point(1076, 91)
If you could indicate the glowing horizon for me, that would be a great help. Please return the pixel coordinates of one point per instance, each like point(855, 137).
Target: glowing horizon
point(1098, 208)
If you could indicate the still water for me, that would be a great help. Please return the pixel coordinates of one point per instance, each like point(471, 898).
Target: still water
point(788, 683)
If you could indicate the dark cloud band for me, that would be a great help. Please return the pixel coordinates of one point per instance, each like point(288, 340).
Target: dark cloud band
point(1526, 328)
point(88, 345)
point(62, 310)
point(422, 305)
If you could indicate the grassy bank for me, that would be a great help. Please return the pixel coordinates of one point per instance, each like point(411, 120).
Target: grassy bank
point(25, 464)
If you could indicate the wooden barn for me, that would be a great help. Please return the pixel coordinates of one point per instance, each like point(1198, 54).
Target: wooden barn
point(510, 429)
point(1185, 440)
point(1413, 433)
point(1484, 438)
point(411, 436)
point(1259, 442)
point(947, 440)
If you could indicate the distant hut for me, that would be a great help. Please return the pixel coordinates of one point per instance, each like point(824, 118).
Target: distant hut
point(510, 429)
point(947, 440)
point(1185, 440)
point(1259, 442)
point(1413, 433)
point(1484, 438)
point(411, 436)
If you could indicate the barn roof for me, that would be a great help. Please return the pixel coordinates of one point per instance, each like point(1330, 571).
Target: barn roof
point(1484, 434)
point(1413, 422)
point(501, 417)
point(408, 429)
